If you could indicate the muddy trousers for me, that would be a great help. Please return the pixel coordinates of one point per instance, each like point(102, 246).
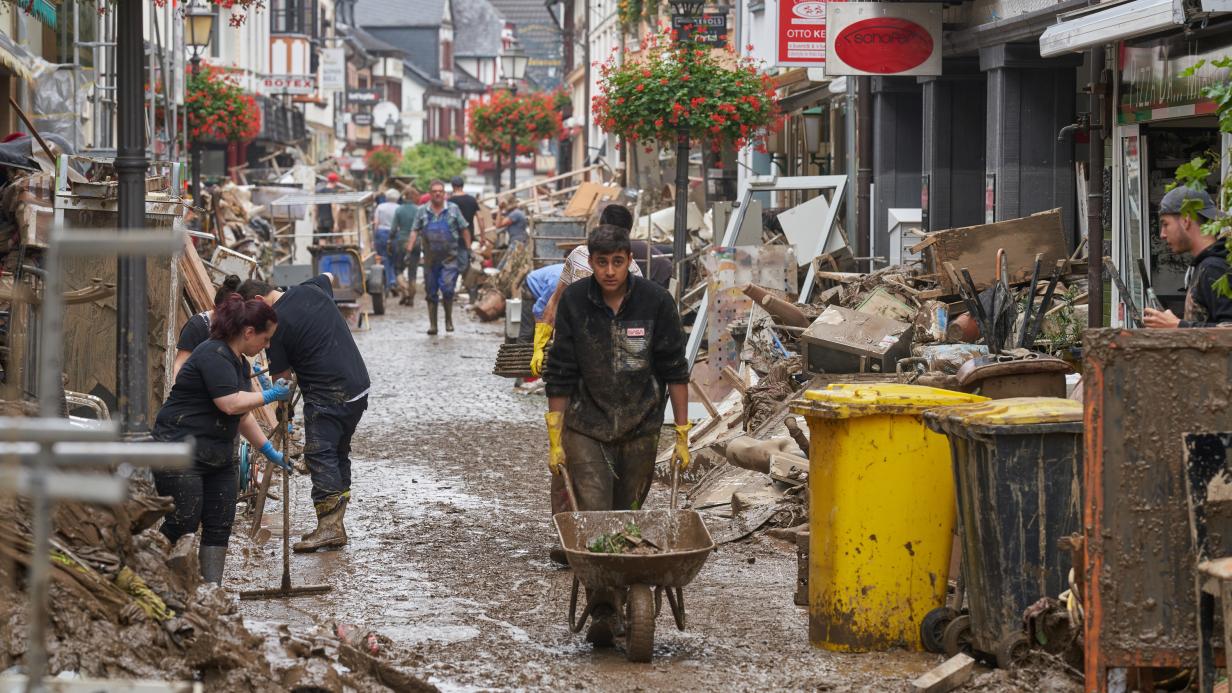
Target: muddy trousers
point(608, 476)
point(327, 446)
point(380, 239)
point(204, 497)
point(440, 279)
point(526, 324)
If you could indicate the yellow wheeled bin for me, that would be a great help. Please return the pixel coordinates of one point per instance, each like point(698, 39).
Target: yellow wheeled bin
point(881, 513)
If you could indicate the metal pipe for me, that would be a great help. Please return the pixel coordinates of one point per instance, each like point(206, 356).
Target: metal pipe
point(864, 165)
point(132, 315)
point(681, 227)
point(193, 148)
point(513, 144)
point(1095, 192)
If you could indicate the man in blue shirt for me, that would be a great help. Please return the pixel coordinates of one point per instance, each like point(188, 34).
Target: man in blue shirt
point(538, 290)
point(444, 231)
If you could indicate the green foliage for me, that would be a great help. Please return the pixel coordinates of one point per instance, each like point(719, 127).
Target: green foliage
point(1195, 172)
point(428, 161)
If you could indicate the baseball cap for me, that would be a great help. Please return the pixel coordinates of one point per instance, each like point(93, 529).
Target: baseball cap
point(457, 181)
point(331, 177)
point(1175, 199)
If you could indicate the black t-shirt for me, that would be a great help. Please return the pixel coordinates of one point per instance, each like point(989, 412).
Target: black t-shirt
point(194, 332)
point(656, 269)
point(469, 206)
point(313, 340)
point(211, 372)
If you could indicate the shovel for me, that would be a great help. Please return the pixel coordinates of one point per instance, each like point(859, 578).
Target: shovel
point(285, 589)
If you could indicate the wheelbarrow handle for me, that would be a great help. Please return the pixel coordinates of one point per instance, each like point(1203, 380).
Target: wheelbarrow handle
point(564, 474)
point(675, 481)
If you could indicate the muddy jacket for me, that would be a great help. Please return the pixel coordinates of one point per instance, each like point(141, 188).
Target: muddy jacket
point(615, 368)
point(1204, 306)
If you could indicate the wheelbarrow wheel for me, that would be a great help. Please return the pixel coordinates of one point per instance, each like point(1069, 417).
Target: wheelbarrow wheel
point(639, 624)
point(957, 637)
point(1011, 650)
point(932, 628)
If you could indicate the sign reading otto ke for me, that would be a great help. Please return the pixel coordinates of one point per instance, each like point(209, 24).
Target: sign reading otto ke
point(800, 33)
point(879, 38)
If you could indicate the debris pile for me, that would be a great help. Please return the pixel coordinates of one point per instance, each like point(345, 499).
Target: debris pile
point(628, 541)
point(127, 604)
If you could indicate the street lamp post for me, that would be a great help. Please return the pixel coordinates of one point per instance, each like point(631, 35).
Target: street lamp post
point(686, 10)
point(513, 66)
point(198, 28)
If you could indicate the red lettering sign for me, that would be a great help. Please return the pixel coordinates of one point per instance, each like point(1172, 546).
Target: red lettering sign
point(801, 33)
point(884, 45)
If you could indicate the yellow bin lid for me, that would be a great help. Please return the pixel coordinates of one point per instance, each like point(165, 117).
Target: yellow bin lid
point(850, 400)
point(1036, 413)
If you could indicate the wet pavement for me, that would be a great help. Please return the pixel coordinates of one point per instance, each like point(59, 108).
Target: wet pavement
point(449, 533)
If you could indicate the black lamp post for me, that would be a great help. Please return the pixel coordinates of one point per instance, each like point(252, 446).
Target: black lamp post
point(513, 66)
point(684, 10)
point(198, 28)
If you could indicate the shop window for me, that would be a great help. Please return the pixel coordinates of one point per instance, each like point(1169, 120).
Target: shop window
point(291, 17)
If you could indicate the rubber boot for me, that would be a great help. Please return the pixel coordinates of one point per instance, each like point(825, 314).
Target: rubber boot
point(432, 317)
point(212, 559)
point(330, 532)
point(449, 315)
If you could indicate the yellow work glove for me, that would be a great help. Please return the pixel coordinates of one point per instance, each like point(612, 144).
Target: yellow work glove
point(681, 455)
point(556, 451)
point(543, 333)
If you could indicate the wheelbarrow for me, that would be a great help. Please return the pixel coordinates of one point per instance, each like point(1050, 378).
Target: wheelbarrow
point(638, 581)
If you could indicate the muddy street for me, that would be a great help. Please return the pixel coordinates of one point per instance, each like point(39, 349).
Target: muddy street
point(449, 537)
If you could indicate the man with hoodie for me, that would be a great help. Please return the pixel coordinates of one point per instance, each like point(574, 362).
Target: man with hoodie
point(1180, 226)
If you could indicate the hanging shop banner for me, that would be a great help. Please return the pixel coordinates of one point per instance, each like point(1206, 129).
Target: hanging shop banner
point(364, 97)
point(709, 29)
point(296, 85)
point(333, 69)
point(800, 33)
point(883, 38)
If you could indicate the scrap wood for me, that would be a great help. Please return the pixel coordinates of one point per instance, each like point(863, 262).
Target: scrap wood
point(975, 247)
point(197, 284)
point(952, 673)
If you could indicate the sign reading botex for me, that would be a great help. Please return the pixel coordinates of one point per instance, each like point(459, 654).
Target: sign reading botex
point(883, 38)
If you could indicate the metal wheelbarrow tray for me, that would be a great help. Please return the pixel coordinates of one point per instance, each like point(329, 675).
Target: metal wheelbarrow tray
point(685, 544)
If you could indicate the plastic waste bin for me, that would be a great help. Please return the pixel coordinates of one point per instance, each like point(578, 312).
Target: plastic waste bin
point(1018, 476)
point(881, 519)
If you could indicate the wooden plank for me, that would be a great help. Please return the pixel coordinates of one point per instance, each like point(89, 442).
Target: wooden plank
point(975, 248)
point(952, 673)
point(588, 195)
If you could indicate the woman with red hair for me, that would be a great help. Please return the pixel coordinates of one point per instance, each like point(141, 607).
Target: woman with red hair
point(209, 404)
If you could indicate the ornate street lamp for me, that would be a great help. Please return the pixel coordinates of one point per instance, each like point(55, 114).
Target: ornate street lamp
point(513, 67)
point(198, 29)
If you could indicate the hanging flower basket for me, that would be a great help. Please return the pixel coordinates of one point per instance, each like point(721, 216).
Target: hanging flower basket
point(671, 88)
point(218, 108)
point(499, 117)
point(381, 160)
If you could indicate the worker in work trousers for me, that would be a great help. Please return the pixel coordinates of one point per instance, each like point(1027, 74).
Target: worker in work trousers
point(443, 228)
point(314, 341)
point(618, 355)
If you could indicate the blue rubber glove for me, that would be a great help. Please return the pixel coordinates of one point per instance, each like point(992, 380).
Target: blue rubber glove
point(264, 380)
point(280, 390)
point(274, 456)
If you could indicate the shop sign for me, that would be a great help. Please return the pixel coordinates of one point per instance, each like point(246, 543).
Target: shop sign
point(296, 85)
point(364, 96)
point(710, 29)
point(362, 119)
point(333, 69)
point(875, 38)
point(800, 33)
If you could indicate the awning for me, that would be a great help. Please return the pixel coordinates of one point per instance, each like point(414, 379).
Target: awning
point(43, 10)
point(1109, 25)
point(808, 97)
point(15, 58)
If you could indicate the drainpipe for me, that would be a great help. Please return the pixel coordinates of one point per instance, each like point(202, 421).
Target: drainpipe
point(1095, 192)
point(132, 321)
point(864, 167)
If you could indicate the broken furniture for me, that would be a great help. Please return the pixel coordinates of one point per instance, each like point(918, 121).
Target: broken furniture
point(1021, 374)
point(881, 513)
point(549, 235)
point(1017, 473)
point(842, 340)
point(973, 247)
point(1140, 606)
point(1210, 517)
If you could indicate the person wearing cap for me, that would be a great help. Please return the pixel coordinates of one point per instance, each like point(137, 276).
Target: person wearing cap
point(469, 206)
point(325, 210)
point(1181, 215)
point(383, 220)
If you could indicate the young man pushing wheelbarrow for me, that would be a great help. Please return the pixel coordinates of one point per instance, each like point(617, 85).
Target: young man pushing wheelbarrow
point(618, 354)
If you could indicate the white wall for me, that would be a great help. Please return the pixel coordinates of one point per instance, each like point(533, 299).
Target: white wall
point(413, 113)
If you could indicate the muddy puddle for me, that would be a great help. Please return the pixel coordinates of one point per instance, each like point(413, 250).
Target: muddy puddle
point(450, 531)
